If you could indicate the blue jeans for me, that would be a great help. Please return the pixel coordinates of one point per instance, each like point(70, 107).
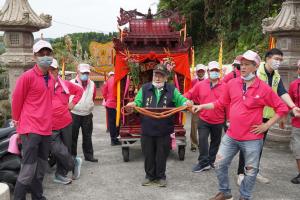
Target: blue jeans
point(229, 148)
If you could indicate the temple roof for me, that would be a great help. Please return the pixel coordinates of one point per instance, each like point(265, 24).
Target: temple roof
point(287, 20)
point(18, 15)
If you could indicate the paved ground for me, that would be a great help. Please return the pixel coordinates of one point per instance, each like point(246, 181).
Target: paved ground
point(113, 179)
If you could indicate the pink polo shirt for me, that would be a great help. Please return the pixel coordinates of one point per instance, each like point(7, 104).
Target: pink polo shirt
point(246, 109)
point(202, 93)
point(195, 81)
point(32, 102)
point(294, 92)
point(61, 115)
point(108, 93)
point(230, 76)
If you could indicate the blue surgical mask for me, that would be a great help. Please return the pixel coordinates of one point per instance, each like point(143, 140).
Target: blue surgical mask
point(84, 77)
point(214, 75)
point(248, 77)
point(44, 61)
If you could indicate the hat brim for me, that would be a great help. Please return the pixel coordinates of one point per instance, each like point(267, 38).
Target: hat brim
point(38, 49)
point(83, 71)
point(160, 71)
point(247, 58)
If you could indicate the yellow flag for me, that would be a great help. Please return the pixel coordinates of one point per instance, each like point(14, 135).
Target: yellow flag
point(63, 69)
point(221, 57)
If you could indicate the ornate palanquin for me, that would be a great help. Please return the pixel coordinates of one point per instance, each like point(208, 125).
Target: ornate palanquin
point(148, 39)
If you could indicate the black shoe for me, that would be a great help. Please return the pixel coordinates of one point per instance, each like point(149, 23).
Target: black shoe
point(296, 180)
point(115, 143)
point(91, 159)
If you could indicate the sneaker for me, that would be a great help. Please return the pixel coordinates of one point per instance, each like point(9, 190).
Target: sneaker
point(199, 168)
point(161, 183)
point(240, 178)
point(296, 180)
point(115, 143)
point(212, 165)
point(77, 167)
point(222, 196)
point(262, 179)
point(61, 179)
point(193, 149)
point(147, 182)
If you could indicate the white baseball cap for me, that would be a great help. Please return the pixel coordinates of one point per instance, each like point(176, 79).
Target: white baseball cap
point(83, 67)
point(213, 65)
point(298, 63)
point(200, 66)
point(252, 56)
point(41, 44)
point(111, 73)
point(237, 60)
point(54, 64)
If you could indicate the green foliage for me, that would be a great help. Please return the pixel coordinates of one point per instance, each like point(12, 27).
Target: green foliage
point(236, 22)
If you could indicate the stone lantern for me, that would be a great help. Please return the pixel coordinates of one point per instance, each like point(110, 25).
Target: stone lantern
point(285, 27)
point(18, 21)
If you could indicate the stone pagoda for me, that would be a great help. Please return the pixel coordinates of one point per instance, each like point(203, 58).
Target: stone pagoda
point(285, 27)
point(18, 21)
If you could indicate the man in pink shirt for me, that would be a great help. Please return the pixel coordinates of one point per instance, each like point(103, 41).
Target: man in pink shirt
point(62, 127)
point(235, 72)
point(294, 92)
point(247, 97)
point(32, 114)
point(200, 71)
point(82, 113)
point(111, 104)
point(211, 121)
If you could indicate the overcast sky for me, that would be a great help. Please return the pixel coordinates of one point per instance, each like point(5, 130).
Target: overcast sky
point(69, 16)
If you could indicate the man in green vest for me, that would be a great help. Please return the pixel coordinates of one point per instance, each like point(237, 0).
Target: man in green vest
point(269, 73)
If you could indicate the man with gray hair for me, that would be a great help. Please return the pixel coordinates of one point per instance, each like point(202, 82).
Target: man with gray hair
point(82, 113)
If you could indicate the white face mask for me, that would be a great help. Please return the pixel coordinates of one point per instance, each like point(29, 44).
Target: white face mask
point(275, 64)
point(248, 77)
point(158, 85)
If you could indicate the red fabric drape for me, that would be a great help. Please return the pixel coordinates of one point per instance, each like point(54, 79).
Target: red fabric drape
point(181, 60)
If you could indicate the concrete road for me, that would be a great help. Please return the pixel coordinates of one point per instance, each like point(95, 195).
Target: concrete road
point(113, 179)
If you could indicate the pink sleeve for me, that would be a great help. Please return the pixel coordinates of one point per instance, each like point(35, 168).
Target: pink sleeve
point(291, 92)
point(94, 94)
point(192, 94)
point(19, 95)
point(273, 100)
point(76, 91)
point(105, 90)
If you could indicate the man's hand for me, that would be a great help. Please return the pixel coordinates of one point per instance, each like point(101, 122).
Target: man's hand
point(189, 103)
point(71, 105)
point(14, 123)
point(296, 111)
point(283, 122)
point(259, 129)
point(129, 107)
point(196, 108)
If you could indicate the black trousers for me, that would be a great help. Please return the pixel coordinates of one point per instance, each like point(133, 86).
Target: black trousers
point(241, 168)
point(113, 130)
point(156, 151)
point(35, 151)
point(61, 145)
point(86, 125)
point(208, 152)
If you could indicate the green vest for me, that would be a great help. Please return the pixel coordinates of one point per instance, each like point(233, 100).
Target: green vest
point(268, 111)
